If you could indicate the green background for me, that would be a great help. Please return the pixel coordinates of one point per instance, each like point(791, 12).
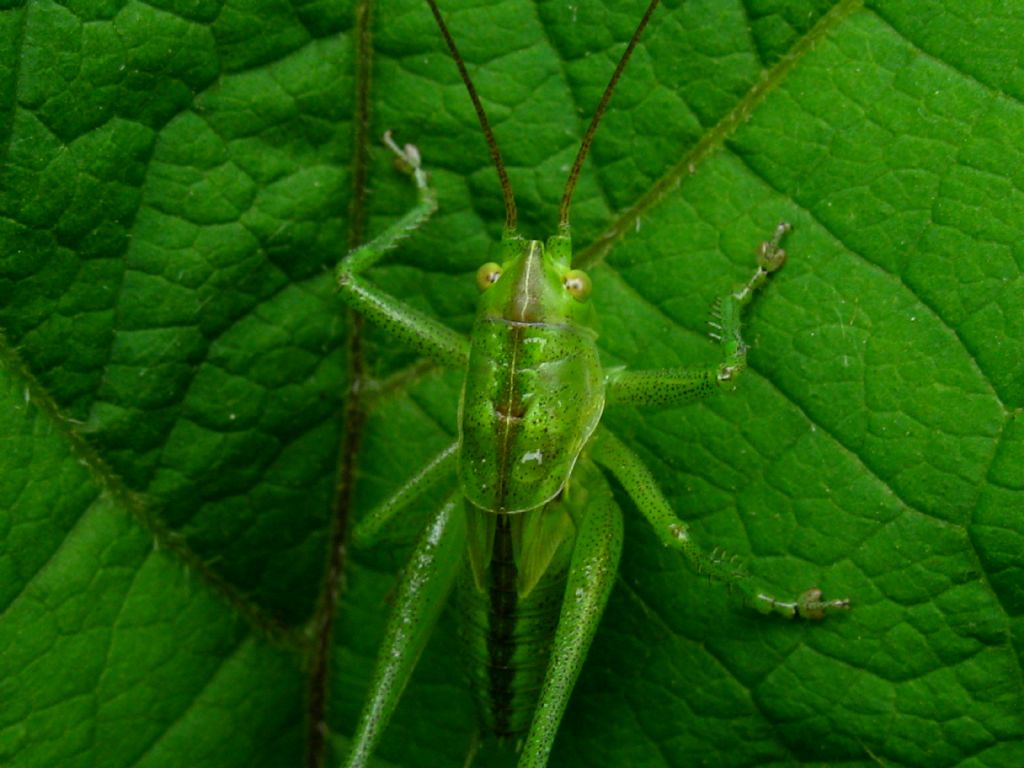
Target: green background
point(178, 177)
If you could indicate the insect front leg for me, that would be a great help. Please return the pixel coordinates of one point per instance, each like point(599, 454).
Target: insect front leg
point(639, 483)
point(595, 561)
point(422, 594)
point(675, 386)
point(407, 325)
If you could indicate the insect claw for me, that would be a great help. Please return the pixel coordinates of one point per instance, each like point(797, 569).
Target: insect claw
point(811, 606)
point(389, 142)
point(770, 257)
point(412, 155)
point(407, 157)
point(729, 371)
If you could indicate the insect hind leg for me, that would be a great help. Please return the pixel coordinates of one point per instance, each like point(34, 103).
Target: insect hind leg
point(422, 594)
point(595, 560)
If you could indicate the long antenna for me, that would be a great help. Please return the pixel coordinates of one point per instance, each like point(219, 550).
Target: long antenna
point(492, 145)
point(570, 184)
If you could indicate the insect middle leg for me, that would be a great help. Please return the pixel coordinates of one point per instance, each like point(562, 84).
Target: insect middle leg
point(639, 483)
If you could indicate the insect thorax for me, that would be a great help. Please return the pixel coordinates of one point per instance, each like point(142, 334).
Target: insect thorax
point(534, 388)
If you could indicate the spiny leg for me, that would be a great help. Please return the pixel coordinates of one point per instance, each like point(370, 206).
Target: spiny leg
point(409, 326)
point(595, 560)
point(424, 590)
point(675, 386)
point(408, 161)
point(639, 483)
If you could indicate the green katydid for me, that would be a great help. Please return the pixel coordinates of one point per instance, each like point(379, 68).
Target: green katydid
point(532, 535)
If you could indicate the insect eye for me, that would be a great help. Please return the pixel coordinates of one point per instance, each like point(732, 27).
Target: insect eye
point(578, 284)
point(487, 275)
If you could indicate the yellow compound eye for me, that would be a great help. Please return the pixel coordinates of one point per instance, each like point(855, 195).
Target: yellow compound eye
point(578, 284)
point(487, 275)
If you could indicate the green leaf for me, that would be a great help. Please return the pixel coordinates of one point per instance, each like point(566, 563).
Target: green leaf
point(177, 179)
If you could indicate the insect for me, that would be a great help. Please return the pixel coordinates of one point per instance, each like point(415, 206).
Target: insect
point(531, 535)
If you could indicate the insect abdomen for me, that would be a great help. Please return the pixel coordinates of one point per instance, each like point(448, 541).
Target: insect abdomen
point(508, 637)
